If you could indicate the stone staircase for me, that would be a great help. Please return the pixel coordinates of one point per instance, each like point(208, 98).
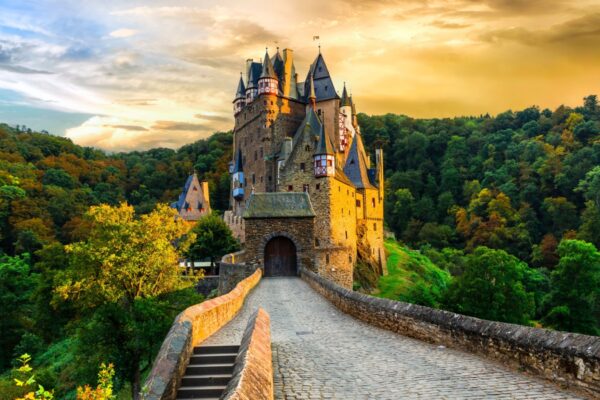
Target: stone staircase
point(208, 373)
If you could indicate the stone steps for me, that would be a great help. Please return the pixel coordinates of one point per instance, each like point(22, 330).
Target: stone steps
point(209, 371)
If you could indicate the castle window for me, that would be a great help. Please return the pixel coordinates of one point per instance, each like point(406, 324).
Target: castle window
point(320, 68)
point(253, 179)
point(339, 188)
point(342, 212)
point(195, 189)
point(271, 103)
point(352, 194)
point(375, 226)
point(307, 148)
point(318, 186)
point(319, 112)
point(302, 166)
point(316, 242)
point(265, 102)
point(261, 152)
point(327, 259)
point(261, 179)
point(326, 87)
point(373, 202)
point(305, 188)
point(346, 234)
point(357, 203)
point(350, 257)
point(290, 188)
point(255, 155)
point(270, 178)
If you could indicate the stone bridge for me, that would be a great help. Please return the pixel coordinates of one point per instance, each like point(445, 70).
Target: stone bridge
point(319, 351)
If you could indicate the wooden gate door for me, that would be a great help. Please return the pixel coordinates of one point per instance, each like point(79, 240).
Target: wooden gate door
point(280, 257)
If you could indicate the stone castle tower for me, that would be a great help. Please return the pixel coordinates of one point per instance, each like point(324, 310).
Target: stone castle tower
point(301, 137)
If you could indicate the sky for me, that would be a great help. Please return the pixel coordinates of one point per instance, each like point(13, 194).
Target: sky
point(128, 75)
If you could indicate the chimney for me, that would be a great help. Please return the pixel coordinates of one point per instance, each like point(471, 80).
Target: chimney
point(288, 60)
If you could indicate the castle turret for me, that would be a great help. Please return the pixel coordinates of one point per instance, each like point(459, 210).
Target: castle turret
point(240, 97)
point(268, 82)
point(251, 89)
point(238, 178)
point(324, 156)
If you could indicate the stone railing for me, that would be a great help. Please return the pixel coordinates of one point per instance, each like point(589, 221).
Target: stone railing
point(234, 258)
point(191, 327)
point(253, 371)
point(568, 359)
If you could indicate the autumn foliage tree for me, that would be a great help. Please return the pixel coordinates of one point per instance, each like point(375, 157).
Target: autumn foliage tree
point(121, 278)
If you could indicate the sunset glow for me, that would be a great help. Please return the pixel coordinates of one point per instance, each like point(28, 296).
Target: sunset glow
point(139, 74)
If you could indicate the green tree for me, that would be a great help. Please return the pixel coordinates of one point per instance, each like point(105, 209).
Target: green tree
point(119, 278)
point(17, 283)
point(213, 239)
point(574, 301)
point(492, 287)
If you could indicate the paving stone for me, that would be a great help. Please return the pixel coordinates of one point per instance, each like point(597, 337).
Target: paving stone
point(343, 358)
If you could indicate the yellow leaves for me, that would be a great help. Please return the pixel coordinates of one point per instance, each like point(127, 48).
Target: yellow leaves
point(125, 257)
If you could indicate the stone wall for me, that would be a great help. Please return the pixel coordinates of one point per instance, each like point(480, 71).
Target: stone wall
point(207, 284)
point(232, 274)
point(191, 327)
point(253, 372)
point(565, 358)
point(298, 230)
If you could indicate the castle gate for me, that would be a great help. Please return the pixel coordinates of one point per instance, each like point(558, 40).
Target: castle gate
point(280, 257)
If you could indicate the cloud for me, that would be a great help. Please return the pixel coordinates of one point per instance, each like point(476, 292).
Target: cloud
point(449, 25)
point(213, 117)
point(580, 31)
point(19, 69)
point(126, 127)
point(123, 33)
point(179, 126)
point(114, 134)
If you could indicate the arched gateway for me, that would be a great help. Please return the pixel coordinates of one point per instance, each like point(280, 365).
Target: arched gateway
point(280, 257)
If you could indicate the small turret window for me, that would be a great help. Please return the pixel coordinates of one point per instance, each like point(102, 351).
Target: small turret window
point(373, 202)
point(307, 148)
point(305, 188)
point(290, 188)
point(302, 167)
point(327, 259)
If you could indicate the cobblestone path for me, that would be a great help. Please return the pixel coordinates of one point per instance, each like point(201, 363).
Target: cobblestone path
point(322, 353)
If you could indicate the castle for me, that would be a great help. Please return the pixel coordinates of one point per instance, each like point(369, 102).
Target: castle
point(304, 190)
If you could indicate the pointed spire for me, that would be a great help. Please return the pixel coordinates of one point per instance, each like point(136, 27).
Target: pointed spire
point(324, 146)
point(267, 68)
point(345, 99)
point(241, 89)
point(312, 97)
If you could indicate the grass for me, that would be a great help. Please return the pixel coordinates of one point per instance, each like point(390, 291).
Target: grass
point(412, 277)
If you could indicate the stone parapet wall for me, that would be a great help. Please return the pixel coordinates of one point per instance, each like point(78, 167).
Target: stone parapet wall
point(568, 359)
point(253, 372)
point(190, 328)
point(232, 274)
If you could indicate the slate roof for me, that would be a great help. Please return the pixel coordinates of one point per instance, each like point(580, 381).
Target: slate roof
point(278, 65)
point(238, 163)
point(356, 165)
point(267, 68)
point(345, 99)
point(279, 205)
point(254, 72)
point(324, 146)
point(324, 88)
point(241, 90)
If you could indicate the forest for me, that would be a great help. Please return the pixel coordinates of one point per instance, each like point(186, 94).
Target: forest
point(495, 217)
